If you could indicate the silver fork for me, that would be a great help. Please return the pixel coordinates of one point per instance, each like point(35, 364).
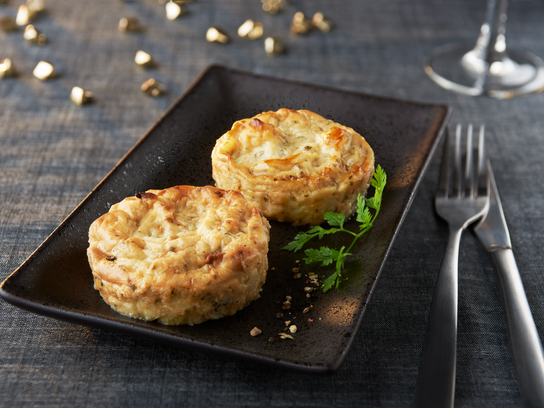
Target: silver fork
point(460, 200)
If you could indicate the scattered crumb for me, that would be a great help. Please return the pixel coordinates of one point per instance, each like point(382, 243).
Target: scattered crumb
point(255, 331)
point(313, 279)
point(286, 304)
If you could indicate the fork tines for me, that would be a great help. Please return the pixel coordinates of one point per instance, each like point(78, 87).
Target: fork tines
point(467, 183)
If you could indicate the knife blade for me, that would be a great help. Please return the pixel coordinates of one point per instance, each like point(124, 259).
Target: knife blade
point(523, 338)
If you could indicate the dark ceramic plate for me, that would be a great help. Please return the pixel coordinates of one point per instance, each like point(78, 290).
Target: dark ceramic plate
point(56, 279)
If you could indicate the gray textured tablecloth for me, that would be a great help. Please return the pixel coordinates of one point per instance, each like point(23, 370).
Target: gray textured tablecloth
point(52, 153)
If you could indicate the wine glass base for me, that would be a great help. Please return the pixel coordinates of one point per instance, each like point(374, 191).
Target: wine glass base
point(458, 68)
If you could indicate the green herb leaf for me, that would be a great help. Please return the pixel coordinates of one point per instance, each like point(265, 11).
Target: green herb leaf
point(370, 202)
point(334, 219)
point(302, 237)
point(325, 255)
point(321, 232)
point(328, 256)
point(378, 182)
point(365, 219)
point(360, 208)
point(328, 283)
point(298, 243)
point(340, 264)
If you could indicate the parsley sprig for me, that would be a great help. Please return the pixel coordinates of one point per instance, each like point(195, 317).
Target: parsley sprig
point(328, 256)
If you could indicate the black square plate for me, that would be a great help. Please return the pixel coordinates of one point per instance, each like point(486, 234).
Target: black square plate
point(56, 279)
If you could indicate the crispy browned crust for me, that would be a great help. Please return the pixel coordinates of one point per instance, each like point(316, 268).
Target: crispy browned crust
point(314, 165)
point(182, 255)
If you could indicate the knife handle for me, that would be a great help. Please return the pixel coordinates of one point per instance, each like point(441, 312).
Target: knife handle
point(525, 344)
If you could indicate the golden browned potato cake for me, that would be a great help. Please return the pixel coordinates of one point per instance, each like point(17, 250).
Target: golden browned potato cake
point(182, 255)
point(295, 165)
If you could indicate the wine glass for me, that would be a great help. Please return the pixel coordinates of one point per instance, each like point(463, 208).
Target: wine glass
point(487, 67)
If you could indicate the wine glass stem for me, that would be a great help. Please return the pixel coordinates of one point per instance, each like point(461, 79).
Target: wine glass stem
point(491, 43)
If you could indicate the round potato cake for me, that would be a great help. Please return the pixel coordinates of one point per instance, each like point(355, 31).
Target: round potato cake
point(294, 165)
point(182, 255)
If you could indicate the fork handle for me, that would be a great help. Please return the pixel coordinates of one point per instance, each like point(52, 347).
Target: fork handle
point(436, 387)
point(525, 344)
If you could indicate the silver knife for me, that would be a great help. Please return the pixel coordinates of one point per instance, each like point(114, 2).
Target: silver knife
point(525, 344)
